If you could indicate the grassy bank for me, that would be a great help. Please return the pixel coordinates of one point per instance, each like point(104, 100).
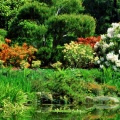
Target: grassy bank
point(18, 87)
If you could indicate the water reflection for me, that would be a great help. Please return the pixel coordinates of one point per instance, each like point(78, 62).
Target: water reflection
point(67, 112)
point(84, 112)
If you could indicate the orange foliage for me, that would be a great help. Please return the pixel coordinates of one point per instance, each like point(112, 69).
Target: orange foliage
point(89, 40)
point(13, 55)
point(93, 86)
point(7, 40)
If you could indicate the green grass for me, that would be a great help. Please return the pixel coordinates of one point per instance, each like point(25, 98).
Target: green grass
point(68, 83)
point(15, 89)
point(18, 87)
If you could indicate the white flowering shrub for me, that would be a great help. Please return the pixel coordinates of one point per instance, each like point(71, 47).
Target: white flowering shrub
point(78, 55)
point(108, 49)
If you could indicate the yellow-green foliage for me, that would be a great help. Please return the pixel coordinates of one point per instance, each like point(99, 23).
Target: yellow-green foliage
point(36, 64)
point(78, 55)
point(57, 65)
point(1, 64)
point(24, 64)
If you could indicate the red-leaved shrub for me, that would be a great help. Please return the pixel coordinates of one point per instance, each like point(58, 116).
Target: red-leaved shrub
point(89, 40)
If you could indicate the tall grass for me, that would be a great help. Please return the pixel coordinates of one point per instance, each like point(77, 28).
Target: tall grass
point(66, 82)
point(18, 87)
point(16, 79)
point(15, 89)
point(111, 77)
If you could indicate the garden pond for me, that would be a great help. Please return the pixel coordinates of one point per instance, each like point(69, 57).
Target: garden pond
point(66, 112)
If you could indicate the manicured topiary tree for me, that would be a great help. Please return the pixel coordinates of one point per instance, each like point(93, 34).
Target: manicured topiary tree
point(53, 22)
point(70, 24)
point(28, 25)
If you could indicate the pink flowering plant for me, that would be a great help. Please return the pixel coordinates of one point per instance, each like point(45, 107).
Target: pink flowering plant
point(107, 51)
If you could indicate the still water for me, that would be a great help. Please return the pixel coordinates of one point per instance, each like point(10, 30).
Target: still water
point(67, 112)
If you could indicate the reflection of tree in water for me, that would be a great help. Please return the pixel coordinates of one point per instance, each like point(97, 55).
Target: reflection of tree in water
point(67, 112)
point(102, 114)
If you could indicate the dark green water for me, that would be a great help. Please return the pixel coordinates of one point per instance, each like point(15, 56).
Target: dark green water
point(65, 112)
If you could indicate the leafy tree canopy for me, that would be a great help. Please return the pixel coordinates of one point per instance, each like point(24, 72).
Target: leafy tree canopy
point(8, 9)
point(70, 24)
point(68, 6)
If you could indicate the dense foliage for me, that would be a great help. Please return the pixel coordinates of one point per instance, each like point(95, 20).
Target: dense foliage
point(27, 27)
point(83, 26)
point(104, 11)
point(37, 28)
point(89, 41)
point(61, 7)
point(14, 55)
point(8, 10)
point(78, 55)
point(60, 35)
point(60, 86)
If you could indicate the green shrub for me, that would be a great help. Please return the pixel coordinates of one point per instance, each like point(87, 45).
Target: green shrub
point(56, 65)
point(36, 64)
point(48, 55)
point(68, 84)
point(57, 54)
point(67, 39)
point(75, 25)
point(34, 11)
point(28, 25)
point(31, 33)
point(3, 34)
point(8, 10)
point(44, 55)
point(78, 55)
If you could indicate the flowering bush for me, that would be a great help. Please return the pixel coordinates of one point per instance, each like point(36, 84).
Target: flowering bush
point(89, 40)
point(13, 55)
point(78, 55)
point(108, 49)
